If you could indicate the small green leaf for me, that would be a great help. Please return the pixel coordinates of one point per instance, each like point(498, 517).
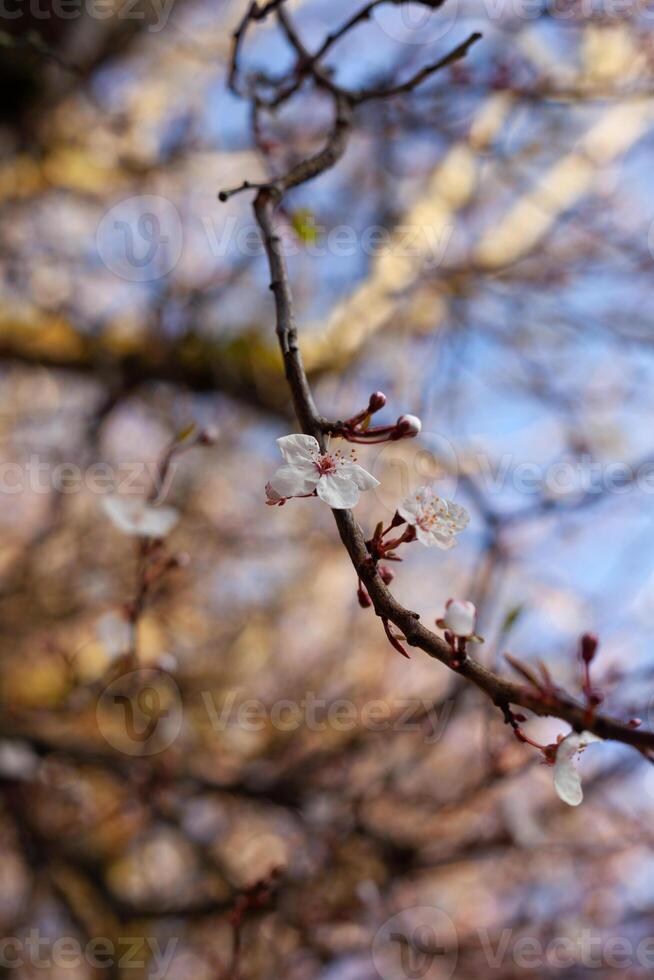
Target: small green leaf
point(184, 433)
point(511, 618)
point(305, 226)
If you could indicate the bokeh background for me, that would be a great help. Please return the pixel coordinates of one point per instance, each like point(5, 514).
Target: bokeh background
point(506, 301)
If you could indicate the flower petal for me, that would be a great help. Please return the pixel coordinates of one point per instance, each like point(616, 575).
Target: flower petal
point(587, 738)
point(567, 781)
point(271, 494)
point(298, 447)
point(158, 522)
point(406, 509)
point(360, 477)
point(292, 481)
point(337, 491)
point(415, 505)
point(435, 539)
point(120, 512)
point(460, 617)
point(133, 515)
point(113, 633)
point(411, 508)
point(458, 515)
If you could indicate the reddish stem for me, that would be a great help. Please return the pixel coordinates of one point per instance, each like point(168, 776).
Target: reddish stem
point(393, 640)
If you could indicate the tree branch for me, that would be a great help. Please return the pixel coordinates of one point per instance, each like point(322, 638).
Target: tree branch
point(501, 691)
point(455, 55)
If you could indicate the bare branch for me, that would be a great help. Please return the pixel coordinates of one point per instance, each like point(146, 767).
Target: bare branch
point(254, 13)
point(459, 52)
point(308, 64)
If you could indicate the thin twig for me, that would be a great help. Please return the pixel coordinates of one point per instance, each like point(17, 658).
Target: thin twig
point(383, 93)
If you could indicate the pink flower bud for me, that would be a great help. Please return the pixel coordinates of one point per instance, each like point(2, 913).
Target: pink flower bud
point(180, 560)
point(588, 646)
point(460, 617)
point(364, 599)
point(208, 436)
point(385, 574)
point(377, 401)
point(407, 426)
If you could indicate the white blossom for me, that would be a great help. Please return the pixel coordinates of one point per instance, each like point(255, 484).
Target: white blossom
point(567, 782)
point(18, 760)
point(167, 662)
point(337, 480)
point(135, 516)
point(460, 617)
point(437, 521)
point(113, 633)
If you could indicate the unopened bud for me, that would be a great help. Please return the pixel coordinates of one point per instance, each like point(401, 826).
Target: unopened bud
point(180, 560)
point(208, 436)
point(460, 618)
point(386, 575)
point(377, 401)
point(588, 646)
point(364, 599)
point(407, 426)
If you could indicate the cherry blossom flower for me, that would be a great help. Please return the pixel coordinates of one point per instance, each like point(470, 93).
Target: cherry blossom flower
point(460, 618)
point(135, 516)
point(437, 521)
point(337, 480)
point(567, 782)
